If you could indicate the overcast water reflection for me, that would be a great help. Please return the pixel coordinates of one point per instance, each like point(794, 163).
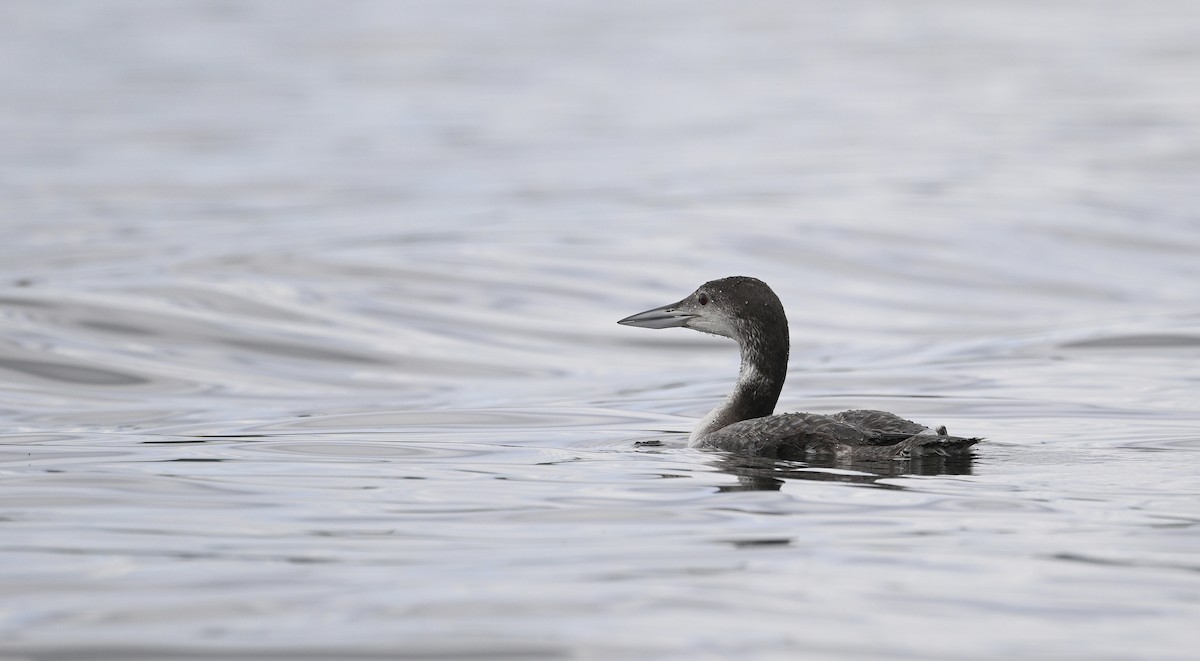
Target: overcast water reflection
point(308, 344)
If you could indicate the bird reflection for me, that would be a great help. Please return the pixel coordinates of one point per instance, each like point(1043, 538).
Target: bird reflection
point(765, 474)
point(758, 474)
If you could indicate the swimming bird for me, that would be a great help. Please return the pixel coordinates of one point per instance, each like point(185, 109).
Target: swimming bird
point(748, 311)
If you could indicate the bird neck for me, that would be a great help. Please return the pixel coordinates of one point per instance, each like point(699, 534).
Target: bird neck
point(760, 380)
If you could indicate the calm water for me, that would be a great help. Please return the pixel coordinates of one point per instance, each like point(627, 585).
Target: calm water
point(308, 343)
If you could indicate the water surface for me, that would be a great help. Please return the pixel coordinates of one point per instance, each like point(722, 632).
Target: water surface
point(308, 343)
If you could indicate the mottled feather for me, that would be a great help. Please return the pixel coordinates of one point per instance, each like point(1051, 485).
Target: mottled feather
point(849, 434)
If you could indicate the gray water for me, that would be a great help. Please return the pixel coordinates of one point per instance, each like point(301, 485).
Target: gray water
point(308, 343)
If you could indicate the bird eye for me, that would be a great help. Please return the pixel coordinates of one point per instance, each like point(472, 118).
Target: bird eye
point(703, 299)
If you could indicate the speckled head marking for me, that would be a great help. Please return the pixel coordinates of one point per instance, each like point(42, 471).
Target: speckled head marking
point(741, 308)
point(747, 311)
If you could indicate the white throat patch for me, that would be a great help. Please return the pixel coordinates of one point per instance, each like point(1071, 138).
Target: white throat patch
point(713, 325)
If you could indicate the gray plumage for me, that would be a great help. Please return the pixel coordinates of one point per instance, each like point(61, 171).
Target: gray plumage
point(747, 311)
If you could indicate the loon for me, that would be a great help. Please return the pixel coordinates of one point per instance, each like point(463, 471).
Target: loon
point(746, 310)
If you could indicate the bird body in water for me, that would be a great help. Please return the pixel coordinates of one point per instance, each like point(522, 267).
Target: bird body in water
point(747, 311)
